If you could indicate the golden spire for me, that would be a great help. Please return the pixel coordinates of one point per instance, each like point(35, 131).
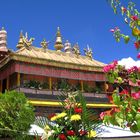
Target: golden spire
point(20, 42)
point(58, 43)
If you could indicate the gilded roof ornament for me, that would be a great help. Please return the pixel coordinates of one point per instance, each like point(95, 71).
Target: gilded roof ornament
point(27, 42)
point(88, 52)
point(44, 44)
point(67, 47)
point(76, 49)
point(20, 42)
point(58, 43)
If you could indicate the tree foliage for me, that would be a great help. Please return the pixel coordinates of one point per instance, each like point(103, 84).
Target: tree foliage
point(16, 114)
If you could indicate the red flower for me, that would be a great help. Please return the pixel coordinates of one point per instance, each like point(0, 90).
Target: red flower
point(135, 18)
point(114, 110)
point(82, 132)
point(137, 44)
point(139, 110)
point(136, 95)
point(51, 115)
point(62, 137)
point(70, 133)
point(138, 82)
point(138, 56)
point(124, 91)
point(78, 110)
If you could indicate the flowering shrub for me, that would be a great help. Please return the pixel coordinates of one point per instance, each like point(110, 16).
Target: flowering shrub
point(74, 123)
point(132, 18)
point(126, 97)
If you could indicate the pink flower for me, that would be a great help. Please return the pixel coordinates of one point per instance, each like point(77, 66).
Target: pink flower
point(102, 115)
point(112, 30)
point(106, 68)
point(138, 56)
point(136, 95)
point(133, 69)
point(135, 18)
point(111, 66)
point(123, 9)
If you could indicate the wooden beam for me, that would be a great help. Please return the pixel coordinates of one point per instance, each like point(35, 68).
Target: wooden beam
point(7, 83)
point(1, 86)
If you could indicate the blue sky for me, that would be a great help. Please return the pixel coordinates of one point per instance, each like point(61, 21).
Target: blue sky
point(82, 21)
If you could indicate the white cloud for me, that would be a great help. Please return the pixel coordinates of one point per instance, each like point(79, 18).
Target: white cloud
point(129, 62)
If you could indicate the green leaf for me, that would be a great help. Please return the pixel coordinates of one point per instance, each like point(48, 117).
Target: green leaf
point(129, 117)
point(138, 125)
point(137, 117)
point(119, 120)
point(116, 99)
point(138, 22)
point(134, 128)
point(111, 79)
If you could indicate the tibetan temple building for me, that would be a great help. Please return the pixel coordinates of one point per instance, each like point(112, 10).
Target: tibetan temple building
point(42, 73)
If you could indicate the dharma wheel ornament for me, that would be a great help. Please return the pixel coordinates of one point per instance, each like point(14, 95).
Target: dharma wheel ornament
point(44, 44)
point(58, 43)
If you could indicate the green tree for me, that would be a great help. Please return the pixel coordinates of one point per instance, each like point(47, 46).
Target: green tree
point(16, 114)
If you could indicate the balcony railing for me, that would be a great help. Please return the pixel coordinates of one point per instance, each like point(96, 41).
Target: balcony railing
point(52, 95)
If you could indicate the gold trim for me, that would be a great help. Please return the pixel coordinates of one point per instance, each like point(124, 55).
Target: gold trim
point(58, 104)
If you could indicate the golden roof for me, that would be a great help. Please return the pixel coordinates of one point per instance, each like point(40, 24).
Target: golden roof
point(54, 58)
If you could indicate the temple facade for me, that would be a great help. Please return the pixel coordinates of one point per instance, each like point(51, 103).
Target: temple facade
point(42, 73)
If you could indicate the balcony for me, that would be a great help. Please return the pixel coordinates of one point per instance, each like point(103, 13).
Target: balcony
point(41, 94)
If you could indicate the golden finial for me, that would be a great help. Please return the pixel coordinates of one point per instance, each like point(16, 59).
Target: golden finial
point(58, 43)
point(20, 42)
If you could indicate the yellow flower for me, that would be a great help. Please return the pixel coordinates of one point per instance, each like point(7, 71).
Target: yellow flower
point(75, 117)
point(54, 118)
point(120, 80)
point(47, 128)
point(135, 32)
point(91, 134)
point(61, 115)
